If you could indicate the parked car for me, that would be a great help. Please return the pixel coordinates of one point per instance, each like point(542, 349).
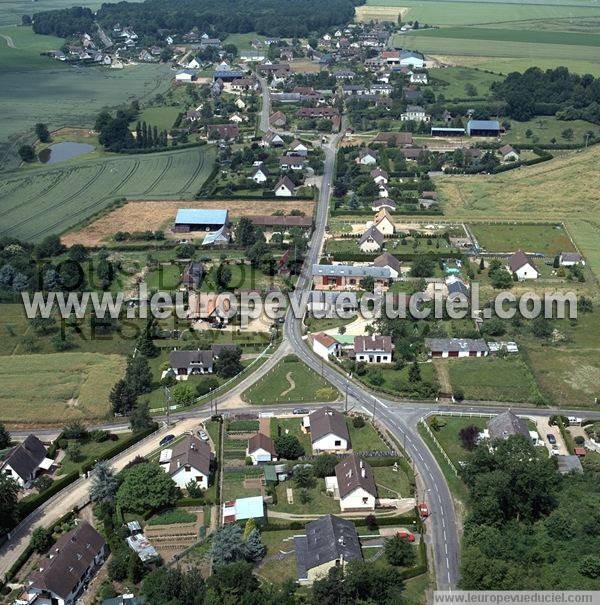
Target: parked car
point(166, 440)
point(551, 439)
point(203, 435)
point(406, 535)
point(423, 510)
point(300, 411)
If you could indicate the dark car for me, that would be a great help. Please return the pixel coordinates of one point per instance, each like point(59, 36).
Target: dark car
point(300, 411)
point(166, 440)
point(551, 439)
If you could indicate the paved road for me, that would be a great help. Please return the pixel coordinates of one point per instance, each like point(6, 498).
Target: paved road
point(265, 111)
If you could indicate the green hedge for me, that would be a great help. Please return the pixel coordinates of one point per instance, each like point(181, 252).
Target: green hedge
point(358, 257)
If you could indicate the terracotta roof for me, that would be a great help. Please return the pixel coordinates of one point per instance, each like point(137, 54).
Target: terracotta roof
point(325, 339)
point(353, 472)
point(326, 421)
point(260, 441)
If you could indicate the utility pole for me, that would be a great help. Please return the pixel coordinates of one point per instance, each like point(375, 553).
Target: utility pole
point(374, 404)
point(346, 403)
point(168, 399)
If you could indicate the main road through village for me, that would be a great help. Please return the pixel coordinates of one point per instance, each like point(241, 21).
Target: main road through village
point(400, 417)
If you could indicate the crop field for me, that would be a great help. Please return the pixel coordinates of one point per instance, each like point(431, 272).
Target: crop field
point(494, 379)
point(144, 216)
point(67, 96)
point(161, 117)
point(39, 202)
point(366, 13)
point(504, 237)
point(20, 49)
point(75, 385)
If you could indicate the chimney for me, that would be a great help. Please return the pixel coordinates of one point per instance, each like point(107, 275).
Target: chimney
point(363, 473)
point(178, 463)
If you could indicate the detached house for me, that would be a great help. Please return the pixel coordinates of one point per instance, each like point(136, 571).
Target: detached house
point(192, 275)
point(325, 345)
point(26, 461)
point(292, 162)
point(188, 460)
point(223, 132)
point(356, 487)
point(521, 266)
point(298, 148)
point(379, 176)
point(328, 431)
point(391, 262)
point(506, 425)
point(259, 174)
point(569, 259)
point(367, 157)
point(278, 119)
point(186, 363)
point(508, 153)
point(382, 203)
point(272, 139)
point(285, 187)
point(65, 572)
point(415, 113)
point(261, 449)
point(373, 349)
point(371, 240)
point(456, 347)
point(383, 221)
point(348, 276)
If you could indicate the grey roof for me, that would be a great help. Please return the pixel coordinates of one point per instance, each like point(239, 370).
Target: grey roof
point(519, 259)
point(506, 424)
point(353, 472)
point(193, 452)
point(457, 287)
point(372, 233)
point(193, 274)
point(387, 260)
point(327, 539)
point(261, 441)
point(286, 182)
point(569, 464)
point(483, 124)
point(68, 560)
point(351, 271)
point(26, 457)
point(455, 344)
point(184, 359)
point(366, 344)
point(571, 257)
point(411, 54)
point(327, 421)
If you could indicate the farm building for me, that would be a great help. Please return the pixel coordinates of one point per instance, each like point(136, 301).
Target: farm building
point(329, 542)
point(199, 219)
point(442, 131)
point(348, 276)
point(456, 347)
point(278, 222)
point(483, 128)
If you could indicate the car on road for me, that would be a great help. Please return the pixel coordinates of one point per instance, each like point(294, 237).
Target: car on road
point(551, 439)
point(423, 510)
point(166, 440)
point(203, 435)
point(300, 411)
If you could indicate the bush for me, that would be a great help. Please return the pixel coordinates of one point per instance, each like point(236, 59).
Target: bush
point(579, 440)
point(371, 522)
point(358, 422)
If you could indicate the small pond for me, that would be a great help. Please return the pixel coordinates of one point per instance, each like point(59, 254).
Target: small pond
point(58, 152)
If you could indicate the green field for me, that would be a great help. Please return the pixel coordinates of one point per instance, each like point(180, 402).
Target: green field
point(57, 387)
point(243, 41)
point(25, 48)
point(451, 82)
point(290, 382)
point(544, 129)
point(494, 379)
point(546, 239)
point(39, 202)
point(447, 434)
point(161, 117)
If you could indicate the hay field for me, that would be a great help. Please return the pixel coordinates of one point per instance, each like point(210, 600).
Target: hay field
point(146, 215)
point(367, 12)
point(39, 202)
point(57, 387)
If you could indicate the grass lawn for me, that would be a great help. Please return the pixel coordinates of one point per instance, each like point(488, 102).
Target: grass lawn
point(75, 386)
point(448, 438)
point(547, 239)
point(173, 516)
point(544, 129)
point(279, 426)
point(243, 41)
point(273, 568)
point(90, 451)
point(320, 325)
point(162, 117)
point(494, 379)
point(391, 483)
point(165, 278)
point(242, 276)
point(452, 82)
point(290, 381)
point(365, 438)
point(233, 483)
point(27, 49)
point(396, 381)
point(415, 589)
point(319, 501)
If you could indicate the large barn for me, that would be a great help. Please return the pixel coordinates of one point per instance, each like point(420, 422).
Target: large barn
point(199, 219)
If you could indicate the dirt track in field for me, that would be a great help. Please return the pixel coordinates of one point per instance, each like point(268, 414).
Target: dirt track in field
point(152, 216)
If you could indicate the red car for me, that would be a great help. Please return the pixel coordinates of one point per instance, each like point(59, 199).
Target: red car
point(423, 510)
point(406, 535)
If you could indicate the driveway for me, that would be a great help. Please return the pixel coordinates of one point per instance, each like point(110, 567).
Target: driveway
point(543, 428)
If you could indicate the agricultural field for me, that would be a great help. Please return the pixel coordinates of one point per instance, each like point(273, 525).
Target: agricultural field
point(142, 216)
point(40, 202)
point(546, 129)
point(452, 82)
point(494, 379)
point(162, 117)
point(243, 41)
point(75, 386)
point(370, 12)
point(20, 49)
point(290, 381)
point(506, 237)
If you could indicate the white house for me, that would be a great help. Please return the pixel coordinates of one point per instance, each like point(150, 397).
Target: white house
point(64, 573)
point(508, 153)
point(569, 259)
point(26, 461)
point(456, 347)
point(521, 266)
point(325, 345)
point(415, 113)
point(371, 240)
point(292, 162)
point(383, 222)
point(194, 64)
point(259, 175)
point(418, 78)
point(328, 431)
point(356, 487)
point(261, 449)
point(299, 148)
point(367, 157)
point(383, 202)
point(379, 176)
point(285, 187)
point(188, 460)
point(184, 76)
point(391, 262)
point(373, 349)
point(236, 118)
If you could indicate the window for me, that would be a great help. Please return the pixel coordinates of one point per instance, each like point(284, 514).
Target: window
point(188, 468)
point(365, 500)
point(337, 443)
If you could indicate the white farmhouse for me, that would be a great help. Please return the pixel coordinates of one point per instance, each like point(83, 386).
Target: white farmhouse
point(325, 345)
point(285, 187)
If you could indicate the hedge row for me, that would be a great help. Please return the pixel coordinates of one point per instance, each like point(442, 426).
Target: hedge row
point(407, 256)
point(406, 520)
point(424, 212)
point(137, 151)
point(266, 195)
